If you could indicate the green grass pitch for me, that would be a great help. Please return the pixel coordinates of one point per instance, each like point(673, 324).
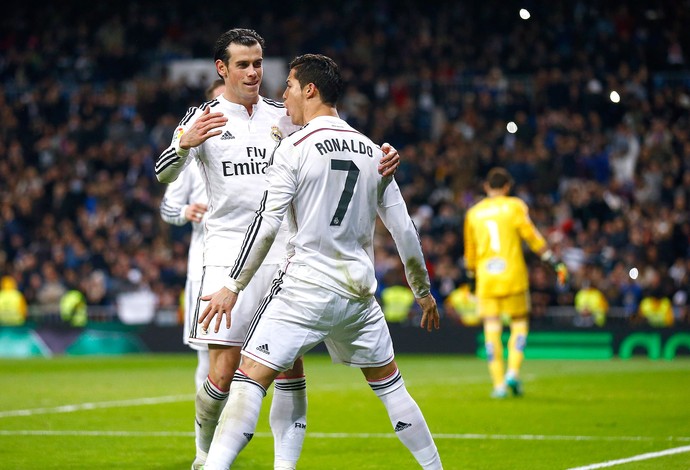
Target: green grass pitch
point(136, 412)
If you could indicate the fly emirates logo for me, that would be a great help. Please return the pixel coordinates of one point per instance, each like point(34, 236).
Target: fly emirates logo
point(255, 164)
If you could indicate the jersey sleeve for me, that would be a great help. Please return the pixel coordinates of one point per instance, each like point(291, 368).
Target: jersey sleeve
point(174, 159)
point(176, 199)
point(393, 212)
point(526, 228)
point(470, 245)
point(259, 237)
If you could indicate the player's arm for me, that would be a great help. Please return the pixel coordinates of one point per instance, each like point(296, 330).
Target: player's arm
point(175, 201)
point(538, 244)
point(176, 207)
point(393, 212)
point(470, 253)
point(195, 128)
point(258, 240)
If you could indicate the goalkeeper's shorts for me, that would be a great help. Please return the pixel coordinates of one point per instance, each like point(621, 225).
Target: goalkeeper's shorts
point(514, 305)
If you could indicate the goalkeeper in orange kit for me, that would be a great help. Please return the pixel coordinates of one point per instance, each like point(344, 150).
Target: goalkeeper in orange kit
point(494, 230)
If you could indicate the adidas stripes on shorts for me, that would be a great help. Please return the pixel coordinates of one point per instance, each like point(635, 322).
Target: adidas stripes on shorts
point(214, 278)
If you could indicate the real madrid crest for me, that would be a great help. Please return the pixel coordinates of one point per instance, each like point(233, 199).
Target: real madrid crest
point(276, 134)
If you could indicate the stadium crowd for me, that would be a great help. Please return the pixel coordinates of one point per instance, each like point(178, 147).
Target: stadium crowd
point(87, 105)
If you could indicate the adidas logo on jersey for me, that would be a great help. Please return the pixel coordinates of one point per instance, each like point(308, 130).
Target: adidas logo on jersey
point(263, 349)
point(227, 136)
point(248, 436)
point(400, 426)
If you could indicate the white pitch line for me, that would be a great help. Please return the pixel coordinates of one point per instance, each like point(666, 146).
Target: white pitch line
point(98, 405)
point(636, 458)
point(345, 435)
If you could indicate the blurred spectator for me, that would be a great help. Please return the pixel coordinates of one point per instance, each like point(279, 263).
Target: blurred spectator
point(73, 308)
point(590, 302)
point(52, 289)
point(396, 298)
point(542, 293)
point(656, 311)
point(397, 301)
point(656, 307)
point(13, 308)
point(461, 306)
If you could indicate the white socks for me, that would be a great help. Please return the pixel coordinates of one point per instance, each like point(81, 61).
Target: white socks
point(288, 420)
point(209, 403)
point(237, 422)
point(407, 419)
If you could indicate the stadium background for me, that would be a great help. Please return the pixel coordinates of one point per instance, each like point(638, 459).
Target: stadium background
point(88, 101)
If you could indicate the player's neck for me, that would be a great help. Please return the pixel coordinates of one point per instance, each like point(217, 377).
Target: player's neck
point(318, 111)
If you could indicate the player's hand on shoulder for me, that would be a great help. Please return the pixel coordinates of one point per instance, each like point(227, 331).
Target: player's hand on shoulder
point(430, 316)
point(390, 162)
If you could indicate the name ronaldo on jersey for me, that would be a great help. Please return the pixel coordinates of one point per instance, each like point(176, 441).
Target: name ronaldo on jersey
point(343, 145)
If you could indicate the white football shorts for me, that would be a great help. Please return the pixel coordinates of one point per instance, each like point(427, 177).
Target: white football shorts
point(298, 315)
point(191, 294)
point(213, 280)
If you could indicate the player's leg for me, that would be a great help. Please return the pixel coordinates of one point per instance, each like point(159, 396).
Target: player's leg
point(517, 306)
point(202, 367)
point(211, 397)
point(362, 339)
point(489, 309)
point(278, 338)
point(224, 357)
point(404, 413)
point(288, 416)
point(238, 420)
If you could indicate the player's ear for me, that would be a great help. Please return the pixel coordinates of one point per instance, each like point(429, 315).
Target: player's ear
point(310, 90)
point(221, 69)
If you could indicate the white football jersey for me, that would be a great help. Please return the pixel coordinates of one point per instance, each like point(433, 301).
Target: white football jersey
point(325, 177)
point(186, 189)
point(233, 166)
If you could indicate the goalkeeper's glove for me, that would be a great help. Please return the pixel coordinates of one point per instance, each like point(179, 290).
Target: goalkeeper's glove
point(558, 267)
point(471, 281)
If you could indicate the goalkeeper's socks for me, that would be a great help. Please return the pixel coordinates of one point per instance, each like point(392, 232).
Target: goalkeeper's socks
point(494, 352)
point(516, 344)
point(407, 419)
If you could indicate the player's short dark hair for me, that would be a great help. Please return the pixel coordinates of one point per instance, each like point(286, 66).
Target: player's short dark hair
point(323, 72)
point(499, 177)
point(241, 36)
point(215, 84)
